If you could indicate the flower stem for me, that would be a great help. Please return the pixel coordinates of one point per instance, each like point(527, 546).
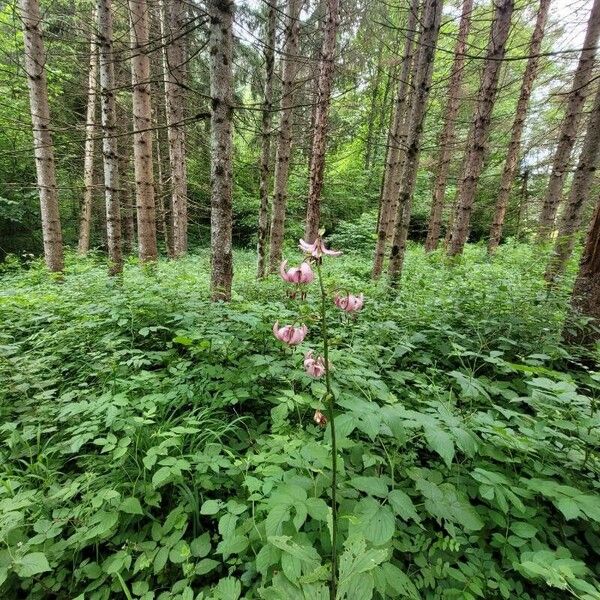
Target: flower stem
point(329, 398)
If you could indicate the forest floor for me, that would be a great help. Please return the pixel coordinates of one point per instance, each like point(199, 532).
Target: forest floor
point(156, 445)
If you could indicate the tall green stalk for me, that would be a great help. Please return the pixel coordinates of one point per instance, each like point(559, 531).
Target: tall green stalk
point(329, 400)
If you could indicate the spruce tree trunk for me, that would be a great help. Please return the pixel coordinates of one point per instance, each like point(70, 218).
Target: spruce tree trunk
point(265, 149)
point(221, 144)
point(35, 59)
point(422, 83)
point(126, 196)
point(110, 151)
point(284, 141)
point(142, 136)
point(570, 222)
point(446, 138)
point(480, 127)
point(85, 218)
point(396, 146)
point(586, 293)
point(569, 126)
point(514, 146)
point(173, 23)
point(319, 141)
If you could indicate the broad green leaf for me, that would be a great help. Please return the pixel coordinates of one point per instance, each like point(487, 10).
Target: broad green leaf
point(131, 506)
point(402, 505)
point(32, 564)
point(210, 507)
point(441, 442)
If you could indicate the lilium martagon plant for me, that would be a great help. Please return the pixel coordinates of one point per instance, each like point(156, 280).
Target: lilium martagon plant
point(319, 366)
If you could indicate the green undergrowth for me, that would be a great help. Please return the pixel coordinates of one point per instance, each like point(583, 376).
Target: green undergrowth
point(156, 445)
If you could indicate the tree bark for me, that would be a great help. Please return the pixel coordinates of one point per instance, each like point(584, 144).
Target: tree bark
point(396, 146)
point(35, 59)
point(284, 141)
point(422, 84)
point(126, 197)
point(514, 146)
point(142, 136)
point(570, 222)
point(569, 126)
point(221, 91)
point(85, 218)
point(110, 151)
point(265, 149)
point(586, 292)
point(319, 142)
point(480, 127)
point(173, 20)
point(446, 138)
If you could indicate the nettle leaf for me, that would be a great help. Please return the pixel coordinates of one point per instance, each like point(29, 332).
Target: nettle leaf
point(131, 506)
point(31, 564)
point(317, 508)
point(376, 522)
point(403, 506)
point(296, 559)
point(441, 442)
point(228, 588)
point(356, 564)
point(524, 530)
point(180, 552)
point(277, 516)
point(200, 546)
point(374, 486)
point(399, 582)
point(444, 502)
point(267, 556)
point(211, 507)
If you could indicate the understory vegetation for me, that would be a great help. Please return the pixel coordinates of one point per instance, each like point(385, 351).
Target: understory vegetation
point(157, 445)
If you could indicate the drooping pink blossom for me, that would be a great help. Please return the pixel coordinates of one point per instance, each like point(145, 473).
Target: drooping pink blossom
point(289, 334)
point(349, 303)
point(315, 367)
point(301, 274)
point(317, 248)
point(320, 419)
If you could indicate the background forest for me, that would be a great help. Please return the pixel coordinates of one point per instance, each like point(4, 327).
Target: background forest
point(404, 405)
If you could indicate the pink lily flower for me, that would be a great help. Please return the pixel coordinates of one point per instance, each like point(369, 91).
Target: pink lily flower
point(315, 367)
point(301, 274)
point(317, 248)
point(320, 419)
point(289, 334)
point(349, 303)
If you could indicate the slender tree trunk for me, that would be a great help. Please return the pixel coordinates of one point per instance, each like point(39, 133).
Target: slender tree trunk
point(85, 218)
point(396, 146)
point(221, 91)
point(284, 142)
point(127, 203)
point(422, 84)
point(173, 20)
point(480, 127)
point(162, 191)
point(265, 149)
point(110, 151)
point(569, 126)
point(372, 118)
point(586, 293)
point(514, 146)
point(142, 137)
point(319, 142)
point(570, 222)
point(522, 215)
point(446, 138)
point(35, 59)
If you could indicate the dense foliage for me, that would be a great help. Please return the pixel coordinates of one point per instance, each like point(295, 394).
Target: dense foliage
point(157, 445)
